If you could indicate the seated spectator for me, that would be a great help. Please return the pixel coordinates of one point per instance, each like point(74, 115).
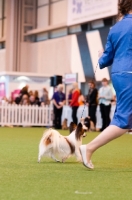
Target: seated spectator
point(30, 92)
point(24, 91)
point(11, 101)
point(32, 100)
point(4, 100)
point(44, 98)
point(18, 99)
point(36, 94)
point(25, 100)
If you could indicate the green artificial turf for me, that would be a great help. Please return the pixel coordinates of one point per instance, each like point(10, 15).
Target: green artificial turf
point(22, 178)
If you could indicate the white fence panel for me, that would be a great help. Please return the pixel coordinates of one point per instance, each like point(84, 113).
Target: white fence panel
point(19, 115)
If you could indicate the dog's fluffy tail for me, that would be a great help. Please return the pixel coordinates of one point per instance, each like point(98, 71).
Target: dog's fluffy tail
point(51, 137)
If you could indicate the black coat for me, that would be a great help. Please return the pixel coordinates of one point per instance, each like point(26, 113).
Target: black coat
point(92, 97)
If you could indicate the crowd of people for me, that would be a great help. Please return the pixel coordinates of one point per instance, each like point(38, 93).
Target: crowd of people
point(102, 97)
point(26, 97)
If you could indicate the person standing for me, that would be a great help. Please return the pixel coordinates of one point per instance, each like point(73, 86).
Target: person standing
point(81, 99)
point(92, 101)
point(70, 96)
point(74, 102)
point(58, 102)
point(105, 96)
point(118, 53)
point(45, 98)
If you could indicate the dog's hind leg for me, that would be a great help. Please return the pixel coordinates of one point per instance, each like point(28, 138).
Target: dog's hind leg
point(39, 158)
point(41, 154)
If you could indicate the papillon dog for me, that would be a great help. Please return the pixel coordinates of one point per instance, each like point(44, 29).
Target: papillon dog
point(54, 144)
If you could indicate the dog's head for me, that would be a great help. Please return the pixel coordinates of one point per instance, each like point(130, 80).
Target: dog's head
point(81, 128)
point(86, 123)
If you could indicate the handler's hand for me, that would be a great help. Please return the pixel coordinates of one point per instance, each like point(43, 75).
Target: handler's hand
point(58, 107)
point(100, 53)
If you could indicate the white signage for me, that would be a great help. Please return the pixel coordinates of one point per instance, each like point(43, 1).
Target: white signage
point(70, 78)
point(80, 11)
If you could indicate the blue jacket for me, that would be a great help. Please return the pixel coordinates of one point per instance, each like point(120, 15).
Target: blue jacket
point(118, 50)
point(59, 97)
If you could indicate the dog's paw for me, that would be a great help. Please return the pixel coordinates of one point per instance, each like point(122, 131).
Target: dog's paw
point(79, 160)
point(58, 161)
point(64, 159)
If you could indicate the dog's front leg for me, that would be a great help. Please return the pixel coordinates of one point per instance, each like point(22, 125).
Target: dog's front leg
point(53, 157)
point(78, 155)
point(65, 158)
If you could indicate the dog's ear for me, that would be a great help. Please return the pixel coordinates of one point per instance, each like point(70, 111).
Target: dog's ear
point(79, 131)
point(72, 127)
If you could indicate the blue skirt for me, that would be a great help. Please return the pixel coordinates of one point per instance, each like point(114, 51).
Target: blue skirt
point(122, 83)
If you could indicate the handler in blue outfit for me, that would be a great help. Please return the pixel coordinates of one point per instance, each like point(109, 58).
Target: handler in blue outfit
point(118, 53)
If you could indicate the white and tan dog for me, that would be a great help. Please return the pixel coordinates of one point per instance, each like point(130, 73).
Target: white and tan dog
point(53, 143)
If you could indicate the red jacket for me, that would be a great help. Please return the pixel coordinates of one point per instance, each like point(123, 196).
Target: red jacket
point(75, 97)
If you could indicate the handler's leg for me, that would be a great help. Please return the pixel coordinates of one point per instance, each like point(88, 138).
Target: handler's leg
point(110, 133)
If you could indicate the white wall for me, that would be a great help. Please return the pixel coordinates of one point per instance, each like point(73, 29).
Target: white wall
point(47, 57)
point(58, 12)
point(52, 57)
point(76, 62)
point(42, 17)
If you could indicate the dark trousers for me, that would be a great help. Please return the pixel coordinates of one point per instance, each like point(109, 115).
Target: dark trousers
point(57, 117)
point(74, 114)
point(105, 114)
point(92, 113)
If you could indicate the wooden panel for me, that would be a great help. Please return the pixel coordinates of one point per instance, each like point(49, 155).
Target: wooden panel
point(0, 28)
point(58, 12)
point(42, 2)
point(29, 2)
point(3, 60)
point(5, 8)
point(4, 28)
point(55, 0)
point(50, 56)
point(43, 19)
point(1, 5)
point(28, 17)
